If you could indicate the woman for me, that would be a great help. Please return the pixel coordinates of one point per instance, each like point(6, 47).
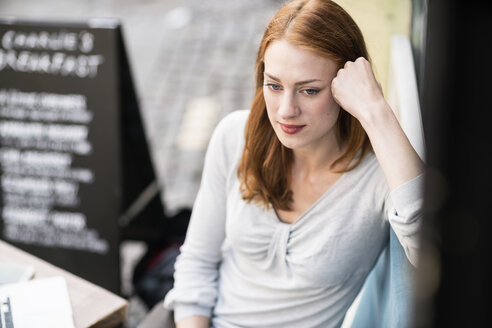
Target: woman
point(298, 193)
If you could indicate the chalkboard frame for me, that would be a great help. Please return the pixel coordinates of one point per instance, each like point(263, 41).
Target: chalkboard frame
point(133, 194)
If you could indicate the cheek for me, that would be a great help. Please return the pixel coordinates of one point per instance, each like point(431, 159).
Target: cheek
point(333, 109)
point(332, 114)
point(269, 100)
point(327, 107)
point(270, 105)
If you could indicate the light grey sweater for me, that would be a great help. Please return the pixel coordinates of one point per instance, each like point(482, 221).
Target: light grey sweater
point(243, 267)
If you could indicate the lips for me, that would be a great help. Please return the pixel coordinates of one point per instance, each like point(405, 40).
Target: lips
point(291, 128)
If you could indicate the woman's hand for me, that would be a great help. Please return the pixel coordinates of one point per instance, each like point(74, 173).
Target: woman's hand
point(196, 321)
point(356, 89)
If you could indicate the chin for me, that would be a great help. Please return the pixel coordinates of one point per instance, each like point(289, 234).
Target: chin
point(290, 142)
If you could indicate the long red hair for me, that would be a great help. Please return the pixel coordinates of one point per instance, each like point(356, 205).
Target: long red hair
point(325, 28)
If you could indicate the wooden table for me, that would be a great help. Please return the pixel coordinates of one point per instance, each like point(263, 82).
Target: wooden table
point(92, 306)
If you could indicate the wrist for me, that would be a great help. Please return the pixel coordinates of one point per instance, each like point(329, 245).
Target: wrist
point(377, 117)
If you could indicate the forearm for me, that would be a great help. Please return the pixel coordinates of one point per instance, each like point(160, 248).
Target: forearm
point(196, 321)
point(397, 158)
point(356, 90)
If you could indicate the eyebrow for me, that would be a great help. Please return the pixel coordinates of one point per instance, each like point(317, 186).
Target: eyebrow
point(297, 83)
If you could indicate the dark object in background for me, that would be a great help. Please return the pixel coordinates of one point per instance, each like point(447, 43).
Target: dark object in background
point(454, 274)
point(153, 274)
point(73, 151)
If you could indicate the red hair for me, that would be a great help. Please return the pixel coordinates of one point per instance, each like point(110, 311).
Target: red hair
point(325, 28)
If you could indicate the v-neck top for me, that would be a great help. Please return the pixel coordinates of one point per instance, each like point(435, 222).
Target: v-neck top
point(242, 266)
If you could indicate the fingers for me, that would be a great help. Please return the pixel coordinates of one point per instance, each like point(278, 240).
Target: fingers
point(359, 63)
point(355, 86)
point(358, 70)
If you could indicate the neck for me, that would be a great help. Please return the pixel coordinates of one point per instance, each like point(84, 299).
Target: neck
point(316, 160)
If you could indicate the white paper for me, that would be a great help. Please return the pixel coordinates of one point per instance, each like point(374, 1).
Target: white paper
point(40, 303)
point(15, 272)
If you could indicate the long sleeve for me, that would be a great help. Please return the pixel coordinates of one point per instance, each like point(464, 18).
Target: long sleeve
point(196, 269)
point(405, 215)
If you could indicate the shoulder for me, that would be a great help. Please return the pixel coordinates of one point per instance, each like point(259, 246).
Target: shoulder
point(229, 132)
point(227, 140)
point(233, 122)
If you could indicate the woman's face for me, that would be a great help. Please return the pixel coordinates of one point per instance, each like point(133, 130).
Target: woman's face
point(297, 91)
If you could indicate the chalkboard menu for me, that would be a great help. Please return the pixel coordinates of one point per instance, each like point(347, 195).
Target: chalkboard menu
point(73, 152)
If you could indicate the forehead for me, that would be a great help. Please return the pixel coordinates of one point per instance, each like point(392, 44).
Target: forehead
point(287, 61)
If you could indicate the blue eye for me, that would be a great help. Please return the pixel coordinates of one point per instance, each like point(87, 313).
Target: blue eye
point(311, 92)
point(273, 86)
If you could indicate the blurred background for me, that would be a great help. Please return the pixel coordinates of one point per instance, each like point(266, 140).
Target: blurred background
point(188, 54)
point(192, 63)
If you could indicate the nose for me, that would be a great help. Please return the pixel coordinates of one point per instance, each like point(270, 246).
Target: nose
point(288, 107)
